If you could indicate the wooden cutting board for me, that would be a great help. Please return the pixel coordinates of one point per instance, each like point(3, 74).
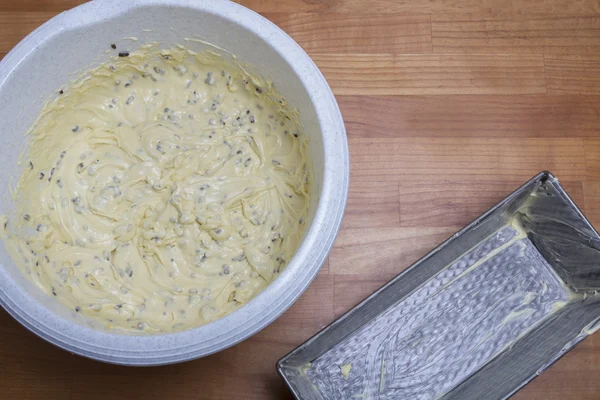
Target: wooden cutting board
point(449, 106)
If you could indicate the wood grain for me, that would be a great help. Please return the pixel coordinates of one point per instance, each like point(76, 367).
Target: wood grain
point(338, 33)
point(29, 6)
point(469, 159)
point(484, 7)
point(372, 204)
point(389, 74)
point(471, 116)
point(383, 251)
point(449, 106)
point(14, 26)
point(472, 33)
point(592, 158)
point(573, 74)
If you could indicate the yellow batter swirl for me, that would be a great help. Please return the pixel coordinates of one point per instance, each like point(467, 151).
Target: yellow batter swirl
point(161, 191)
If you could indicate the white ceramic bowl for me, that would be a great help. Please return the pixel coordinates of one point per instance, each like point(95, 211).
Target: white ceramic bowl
point(48, 58)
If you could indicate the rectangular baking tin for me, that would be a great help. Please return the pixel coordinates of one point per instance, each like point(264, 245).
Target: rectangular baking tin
point(448, 354)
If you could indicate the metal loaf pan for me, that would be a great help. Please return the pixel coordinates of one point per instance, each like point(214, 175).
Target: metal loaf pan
point(478, 317)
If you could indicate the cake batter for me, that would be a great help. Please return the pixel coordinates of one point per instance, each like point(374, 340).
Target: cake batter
point(161, 191)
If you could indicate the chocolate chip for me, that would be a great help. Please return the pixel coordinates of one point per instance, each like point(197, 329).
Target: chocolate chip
point(51, 174)
point(124, 54)
point(114, 46)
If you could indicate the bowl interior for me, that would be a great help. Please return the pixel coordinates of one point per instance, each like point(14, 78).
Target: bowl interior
point(62, 56)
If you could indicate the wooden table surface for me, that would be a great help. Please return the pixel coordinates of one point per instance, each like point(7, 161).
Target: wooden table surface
point(449, 106)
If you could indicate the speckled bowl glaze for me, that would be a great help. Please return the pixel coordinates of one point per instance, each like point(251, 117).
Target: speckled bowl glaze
point(75, 40)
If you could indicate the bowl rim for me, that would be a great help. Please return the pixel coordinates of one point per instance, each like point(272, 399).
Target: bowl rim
point(126, 349)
